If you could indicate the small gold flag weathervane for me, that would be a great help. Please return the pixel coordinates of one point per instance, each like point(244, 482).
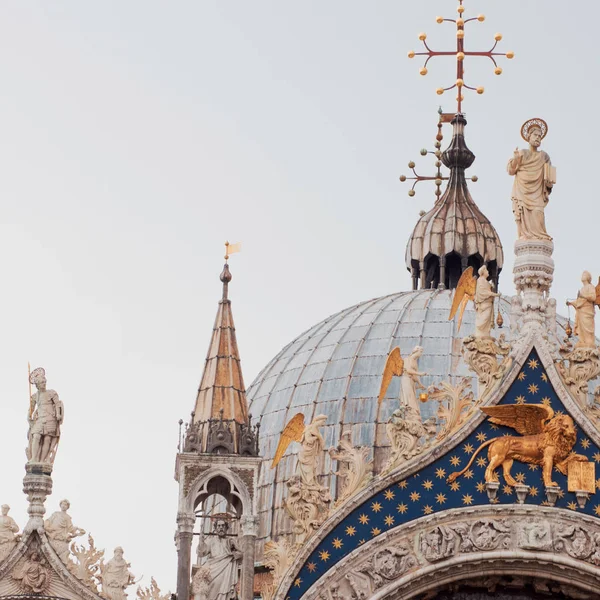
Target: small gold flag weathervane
point(232, 249)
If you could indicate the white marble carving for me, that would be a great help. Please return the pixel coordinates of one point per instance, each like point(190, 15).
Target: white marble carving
point(389, 564)
point(115, 576)
point(278, 557)
point(61, 531)
point(355, 468)
point(87, 565)
point(438, 543)
point(33, 575)
point(8, 532)
point(152, 592)
point(456, 405)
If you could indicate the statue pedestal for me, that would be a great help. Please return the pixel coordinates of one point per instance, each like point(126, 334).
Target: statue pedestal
point(533, 276)
point(37, 487)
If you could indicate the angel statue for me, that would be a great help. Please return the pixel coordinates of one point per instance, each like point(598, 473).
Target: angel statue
point(480, 292)
point(311, 446)
point(585, 312)
point(534, 178)
point(547, 440)
point(408, 371)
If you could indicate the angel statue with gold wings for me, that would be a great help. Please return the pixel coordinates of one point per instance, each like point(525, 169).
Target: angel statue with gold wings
point(311, 446)
point(547, 440)
point(585, 312)
point(408, 371)
point(480, 292)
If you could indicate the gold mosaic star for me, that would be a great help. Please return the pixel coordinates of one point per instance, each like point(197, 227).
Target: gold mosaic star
point(533, 388)
point(455, 486)
point(495, 501)
point(337, 543)
point(481, 436)
point(597, 509)
point(559, 413)
point(545, 503)
point(468, 448)
point(572, 506)
point(389, 520)
point(428, 484)
point(585, 443)
point(375, 531)
point(533, 491)
point(311, 566)
point(454, 461)
point(494, 426)
point(402, 508)
point(350, 530)
point(546, 401)
point(533, 364)
point(469, 474)
point(533, 467)
point(376, 507)
point(441, 473)
point(467, 499)
point(597, 457)
point(363, 519)
point(403, 485)
point(389, 495)
point(481, 487)
point(427, 510)
point(324, 555)
point(544, 377)
point(561, 494)
point(520, 399)
point(415, 496)
point(520, 477)
point(440, 498)
point(522, 376)
point(481, 462)
point(362, 542)
point(298, 582)
point(507, 489)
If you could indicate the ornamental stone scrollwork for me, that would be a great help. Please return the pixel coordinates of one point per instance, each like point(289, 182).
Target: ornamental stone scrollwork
point(575, 541)
point(408, 435)
point(456, 405)
point(577, 367)
point(486, 534)
point(355, 469)
point(61, 531)
point(534, 533)
point(489, 358)
point(33, 575)
point(87, 567)
point(8, 533)
point(388, 564)
point(277, 557)
point(153, 592)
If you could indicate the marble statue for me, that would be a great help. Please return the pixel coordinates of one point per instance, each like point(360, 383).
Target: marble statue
point(33, 575)
point(534, 178)
point(585, 313)
point(45, 417)
point(8, 532)
point(484, 304)
point(61, 531)
point(222, 563)
point(116, 576)
point(410, 380)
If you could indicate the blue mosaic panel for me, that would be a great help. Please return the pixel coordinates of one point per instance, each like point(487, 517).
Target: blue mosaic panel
point(428, 491)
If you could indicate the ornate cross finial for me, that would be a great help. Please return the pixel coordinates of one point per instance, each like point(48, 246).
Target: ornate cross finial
point(438, 178)
point(460, 54)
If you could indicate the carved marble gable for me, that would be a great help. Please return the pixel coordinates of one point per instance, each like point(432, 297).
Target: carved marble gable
point(33, 568)
point(409, 497)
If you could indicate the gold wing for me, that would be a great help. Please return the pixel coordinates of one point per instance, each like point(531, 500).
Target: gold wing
point(292, 432)
point(526, 419)
point(465, 291)
point(394, 367)
point(598, 293)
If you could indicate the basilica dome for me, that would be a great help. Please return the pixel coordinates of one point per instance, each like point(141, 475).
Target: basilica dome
point(335, 369)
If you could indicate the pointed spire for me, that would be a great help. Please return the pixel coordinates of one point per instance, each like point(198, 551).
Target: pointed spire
point(222, 394)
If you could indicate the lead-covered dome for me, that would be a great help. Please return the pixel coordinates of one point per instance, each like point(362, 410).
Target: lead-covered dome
point(335, 369)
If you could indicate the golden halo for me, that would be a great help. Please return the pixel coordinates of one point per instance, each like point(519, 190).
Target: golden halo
point(531, 124)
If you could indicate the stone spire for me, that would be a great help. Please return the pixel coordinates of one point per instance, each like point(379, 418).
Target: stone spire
point(454, 234)
point(222, 392)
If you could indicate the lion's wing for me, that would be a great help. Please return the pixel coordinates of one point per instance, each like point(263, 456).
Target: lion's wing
point(291, 433)
point(526, 419)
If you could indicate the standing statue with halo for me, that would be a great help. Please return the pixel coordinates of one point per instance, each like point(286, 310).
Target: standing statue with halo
point(534, 178)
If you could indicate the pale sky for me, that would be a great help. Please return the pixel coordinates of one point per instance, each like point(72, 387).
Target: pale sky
point(136, 137)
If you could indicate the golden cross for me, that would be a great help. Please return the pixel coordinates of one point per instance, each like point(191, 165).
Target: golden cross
point(460, 54)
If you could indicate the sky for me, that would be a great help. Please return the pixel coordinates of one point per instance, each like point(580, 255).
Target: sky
point(136, 137)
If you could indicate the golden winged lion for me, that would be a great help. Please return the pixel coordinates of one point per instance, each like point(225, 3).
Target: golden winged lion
point(465, 291)
point(547, 440)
